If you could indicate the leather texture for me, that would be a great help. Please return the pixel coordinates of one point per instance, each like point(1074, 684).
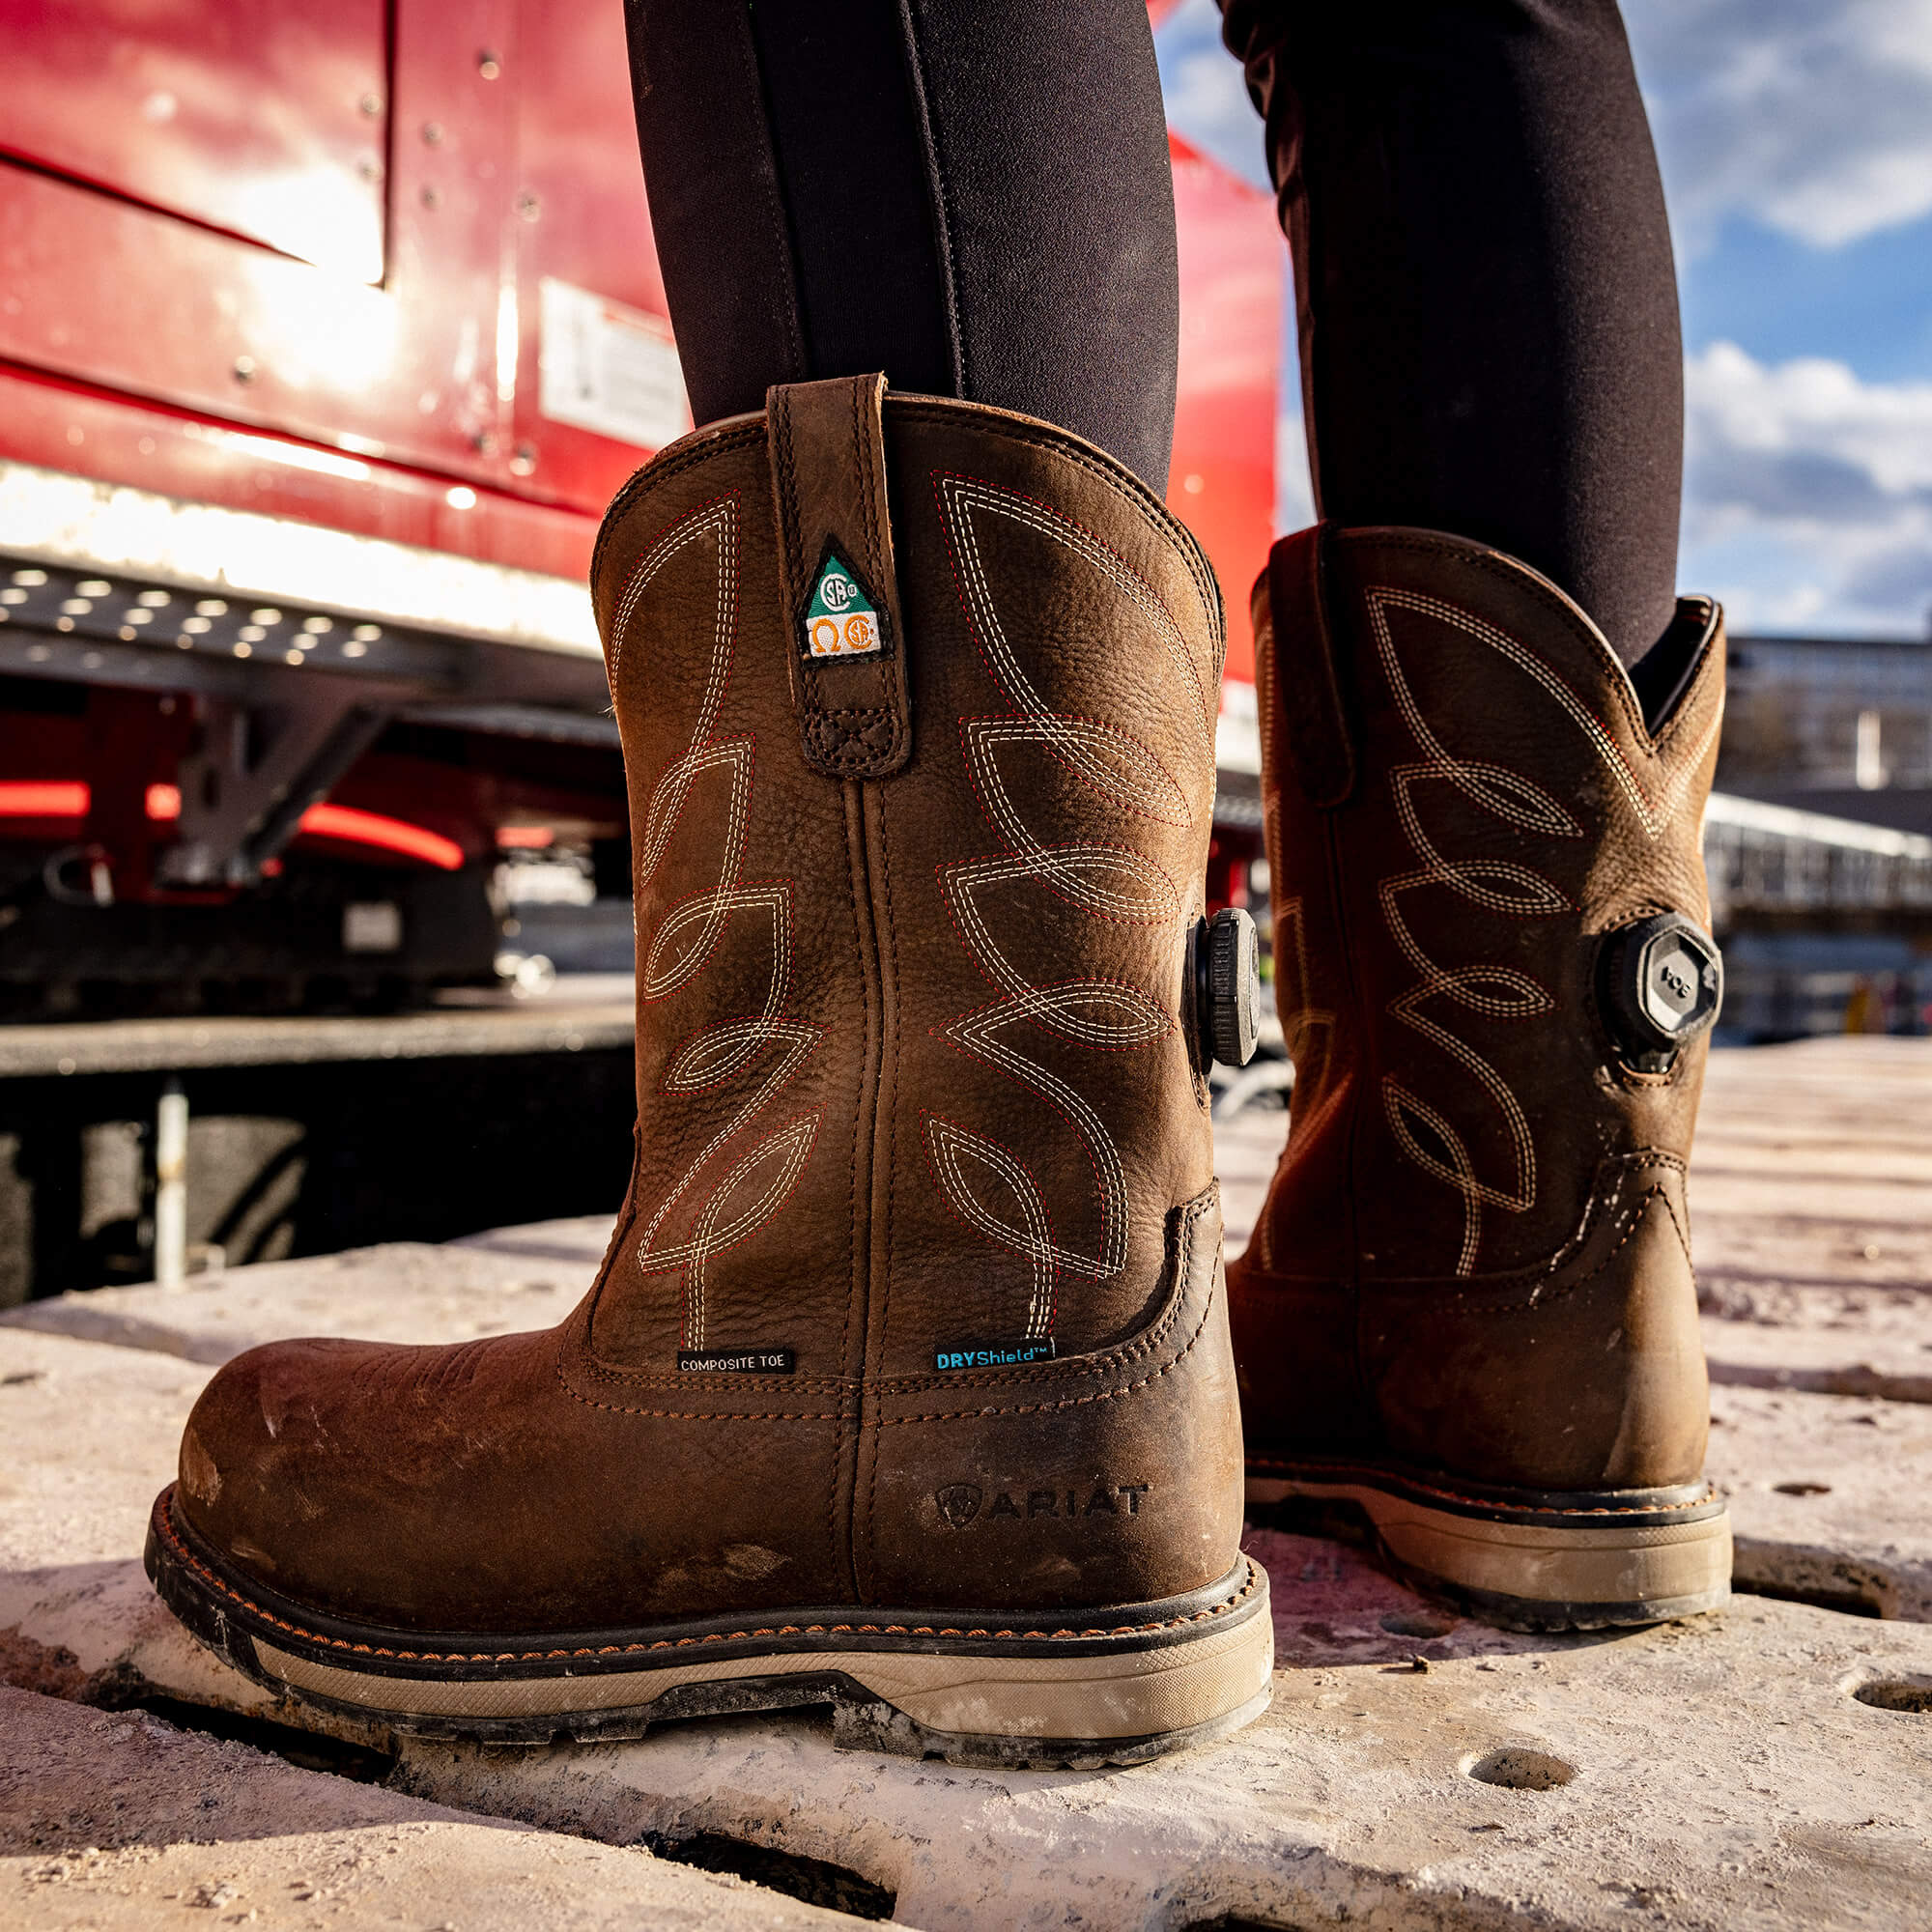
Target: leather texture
point(1474, 1257)
point(911, 1084)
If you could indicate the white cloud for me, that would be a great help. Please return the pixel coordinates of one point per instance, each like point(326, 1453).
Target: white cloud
point(1808, 494)
point(1206, 97)
point(1293, 491)
point(1812, 117)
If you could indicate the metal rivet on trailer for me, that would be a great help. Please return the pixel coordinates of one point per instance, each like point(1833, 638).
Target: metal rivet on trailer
point(488, 66)
point(245, 368)
point(433, 133)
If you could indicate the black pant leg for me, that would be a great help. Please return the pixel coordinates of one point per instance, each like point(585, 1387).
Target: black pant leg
point(973, 195)
point(1484, 283)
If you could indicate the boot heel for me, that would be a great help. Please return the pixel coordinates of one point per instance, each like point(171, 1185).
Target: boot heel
point(1074, 1716)
point(1530, 1561)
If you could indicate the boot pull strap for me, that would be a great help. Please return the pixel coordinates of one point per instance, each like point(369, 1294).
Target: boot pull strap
point(849, 677)
point(1300, 679)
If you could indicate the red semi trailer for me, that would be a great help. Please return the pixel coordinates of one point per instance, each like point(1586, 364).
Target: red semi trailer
point(325, 335)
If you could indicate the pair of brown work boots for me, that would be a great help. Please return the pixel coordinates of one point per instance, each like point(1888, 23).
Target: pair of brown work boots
point(910, 1381)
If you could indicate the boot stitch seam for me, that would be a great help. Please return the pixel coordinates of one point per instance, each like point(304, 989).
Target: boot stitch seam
point(1509, 570)
point(1370, 1470)
point(1654, 818)
point(1112, 1361)
point(801, 673)
point(860, 1244)
point(235, 1596)
point(870, 491)
point(1001, 725)
point(660, 469)
point(1125, 485)
point(1055, 524)
point(1561, 1291)
point(654, 549)
point(1062, 986)
point(951, 1190)
point(1064, 1402)
point(892, 1182)
point(1043, 875)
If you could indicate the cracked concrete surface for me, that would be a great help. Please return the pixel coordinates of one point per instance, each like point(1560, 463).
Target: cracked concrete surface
point(121, 1821)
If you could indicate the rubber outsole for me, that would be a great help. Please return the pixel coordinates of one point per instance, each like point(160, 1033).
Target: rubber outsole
point(1118, 1685)
point(1526, 1560)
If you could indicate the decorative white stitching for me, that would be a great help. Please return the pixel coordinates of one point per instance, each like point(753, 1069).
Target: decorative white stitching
point(1499, 886)
point(1113, 882)
point(688, 935)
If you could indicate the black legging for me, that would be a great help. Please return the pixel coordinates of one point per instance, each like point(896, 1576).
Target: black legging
point(974, 196)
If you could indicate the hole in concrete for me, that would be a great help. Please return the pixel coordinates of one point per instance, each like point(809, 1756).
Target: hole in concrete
point(1847, 1603)
point(811, 1881)
point(1803, 1489)
point(1418, 1623)
point(308, 1751)
point(1241, 1925)
point(1911, 1694)
point(1517, 1768)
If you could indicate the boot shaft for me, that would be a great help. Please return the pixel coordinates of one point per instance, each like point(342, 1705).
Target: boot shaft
point(1475, 826)
point(918, 703)
point(1490, 969)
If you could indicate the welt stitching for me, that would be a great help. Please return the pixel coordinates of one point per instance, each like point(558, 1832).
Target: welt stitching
point(269, 1616)
point(1490, 1502)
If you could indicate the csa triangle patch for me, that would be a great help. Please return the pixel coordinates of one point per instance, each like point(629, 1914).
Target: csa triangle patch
point(840, 621)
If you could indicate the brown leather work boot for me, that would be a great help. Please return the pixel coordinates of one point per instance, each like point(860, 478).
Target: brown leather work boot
point(1467, 1308)
point(906, 1384)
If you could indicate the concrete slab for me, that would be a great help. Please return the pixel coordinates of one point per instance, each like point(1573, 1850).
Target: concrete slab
point(92, 1433)
point(1829, 1497)
point(402, 1291)
point(110, 1822)
point(1722, 1773)
point(1767, 1767)
point(1718, 1774)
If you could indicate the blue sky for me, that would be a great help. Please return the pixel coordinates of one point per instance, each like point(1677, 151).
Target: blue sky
point(1795, 142)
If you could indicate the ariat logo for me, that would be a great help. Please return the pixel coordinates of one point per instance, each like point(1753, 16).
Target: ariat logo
point(840, 621)
point(958, 1504)
point(963, 1503)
